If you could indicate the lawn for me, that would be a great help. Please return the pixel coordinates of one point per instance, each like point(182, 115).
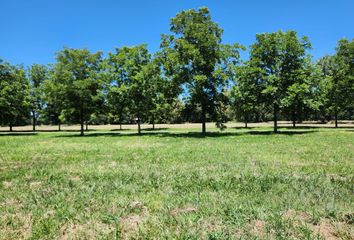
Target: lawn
point(246, 184)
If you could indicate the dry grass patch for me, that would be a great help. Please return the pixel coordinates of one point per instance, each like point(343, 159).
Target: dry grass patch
point(15, 226)
point(296, 216)
point(89, 230)
point(257, 228)
point(324, 229)
point(11, 203)
point(35, 184)
point(74, 178)
point(7, 184)
point(178, 211)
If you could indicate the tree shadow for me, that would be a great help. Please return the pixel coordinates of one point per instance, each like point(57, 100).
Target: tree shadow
point(154, 129)
point(44, 131)
point(120, 130)
point(2, 134)
point(244, 128)
point(316, 127)
point(188, 134)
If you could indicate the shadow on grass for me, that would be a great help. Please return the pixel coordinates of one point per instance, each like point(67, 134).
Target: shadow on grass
point(39, 131)
point(119, 130)
point(17, 134)
point(156, 129)
point(316, 127)
point(188, 134)
point(298, 127)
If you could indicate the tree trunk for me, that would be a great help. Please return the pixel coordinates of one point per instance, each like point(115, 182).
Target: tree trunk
point(86, 125)
point(203, 121)
point(153, 123)
point(139, 128)
point(82, 122)
point(82, 128)
point(246, 120)
point(293, 119)
point(34, 120)
point(336, 118)
point(120, 126)
point(59, 126)
point(275, 118)
point(10, 127)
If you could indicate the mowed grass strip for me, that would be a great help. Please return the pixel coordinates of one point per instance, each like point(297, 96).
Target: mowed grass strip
point(164, 184)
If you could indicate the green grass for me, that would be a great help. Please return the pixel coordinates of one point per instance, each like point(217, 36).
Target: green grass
point(244, 184)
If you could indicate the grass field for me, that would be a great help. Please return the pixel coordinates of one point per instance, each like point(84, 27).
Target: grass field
point(238, 184)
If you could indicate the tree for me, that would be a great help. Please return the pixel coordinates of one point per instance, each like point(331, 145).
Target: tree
point(133, 82)
point(338, 72)
point(245, 94)
point(76, 77)
point(195, 57)
point(37, 75)
point(304, 93)
point(345, 57)
point(14, 94)
point(282, 58)
point(53, 98)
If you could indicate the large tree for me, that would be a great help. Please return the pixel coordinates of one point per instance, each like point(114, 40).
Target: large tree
point(37, 75)
point(282, 58)
point(14, 94)
point(76, 75)
point(195, 58)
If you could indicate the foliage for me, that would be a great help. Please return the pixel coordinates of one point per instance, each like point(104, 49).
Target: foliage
point(37, 74)
point(282, 58)
point(14, 94)
point(76, 80)
point(197, 60)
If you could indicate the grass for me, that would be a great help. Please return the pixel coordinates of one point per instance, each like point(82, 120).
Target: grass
point(248, 184)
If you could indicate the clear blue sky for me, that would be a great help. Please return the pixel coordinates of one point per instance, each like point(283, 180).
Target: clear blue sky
point(33, 30)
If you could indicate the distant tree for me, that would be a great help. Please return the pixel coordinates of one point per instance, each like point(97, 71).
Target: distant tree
point(338, 72)
point(195, 58)
point(14, 94)
point(134, 83)
point(282, 57)
point(76, 78)
point(147, 92)
point(303, 94)
point(345, 55)
point(163, 93)
point(53, 98)
point(246, 93)
point(37, 74)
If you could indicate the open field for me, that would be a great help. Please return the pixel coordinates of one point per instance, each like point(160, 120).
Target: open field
point(173, 183)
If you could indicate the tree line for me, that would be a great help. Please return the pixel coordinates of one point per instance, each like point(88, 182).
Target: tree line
point(194, 77)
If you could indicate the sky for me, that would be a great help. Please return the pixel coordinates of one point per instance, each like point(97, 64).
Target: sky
point(33, 30)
